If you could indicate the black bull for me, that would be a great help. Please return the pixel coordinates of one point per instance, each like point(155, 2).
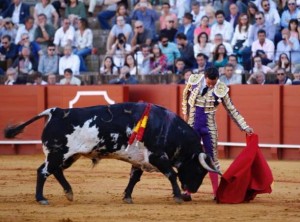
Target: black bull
point(103, 132)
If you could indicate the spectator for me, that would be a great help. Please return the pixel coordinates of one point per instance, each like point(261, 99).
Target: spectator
point(120, 27)
point(158, 61)
point(220, 57)
point(228, 77)
point(24, 63)
point(119, 50)
point(83, 42)
point(167, 16)
point(49, 61)
point(210, 13)
point(221, 27)
point(124, 77)
point(8, 52)
point(202, 45)
point(143, 12)
point(290, 13)
point(260, 7)
point(233, 17)
point(69, 78)
point(28, 27)
point(170, 30)
point(12, 77)
point(251, 11)
point(131, 63)
point(170, 50)
point(106, 14)
point(263, 47)
point(241, 7)
point(294, 28)
point(186, 50)
point(271, 14)
point(18, 11)
point(51, 79)
point(47, 9)
point(187, 27)
point(217, 41)
point(258, 78)
point(44, 33)
point(180, 7)
point(143, 60)
point(65, 35)
point(237, 68)
point(108, 67)
point(259, 67)
point(38, 79)
point(59, 5)
point(75, 7)
point(141, 36)
point(202, 28)
point(121, 11)
point(289, 45)
point(69, 61)
point(296, 75)
point(202, 63)
point(284, 63)
point(197, 13)
point(186, 75)
point(179, 67)
point(8, 28)
point(282, 78)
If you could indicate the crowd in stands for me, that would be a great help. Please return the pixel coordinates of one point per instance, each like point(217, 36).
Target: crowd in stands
point(51, 40)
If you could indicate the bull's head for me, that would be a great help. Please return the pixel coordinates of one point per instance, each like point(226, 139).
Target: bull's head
point(192, 172)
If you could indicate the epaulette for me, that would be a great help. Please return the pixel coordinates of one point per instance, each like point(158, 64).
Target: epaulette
point(221, 89)
point(195, 79)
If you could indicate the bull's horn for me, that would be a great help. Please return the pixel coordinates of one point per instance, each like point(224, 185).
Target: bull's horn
point(202, 157)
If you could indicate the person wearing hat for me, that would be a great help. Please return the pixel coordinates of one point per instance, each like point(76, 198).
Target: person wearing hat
point(187, 27)
point(8, 28)
point(18, 11)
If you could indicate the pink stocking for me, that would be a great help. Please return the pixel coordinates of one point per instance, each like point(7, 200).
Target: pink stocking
point(214, 181)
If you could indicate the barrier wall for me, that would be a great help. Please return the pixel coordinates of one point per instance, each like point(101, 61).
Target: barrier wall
point(273, 111)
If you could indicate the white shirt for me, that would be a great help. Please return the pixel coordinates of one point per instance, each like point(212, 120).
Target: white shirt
point(272, 16)
point(225, 29)
point(16, 14)
point(243, 35)
point(142, 65)
point(85, 40)
point(61, 38)
point(197, 18)
point(268, 47)
point(72, 62)
point(119, 56)
point(233, 80)
point(49, 10)
point(74, 81)
point(227, 47)
point(22, 30)
point(206, 50)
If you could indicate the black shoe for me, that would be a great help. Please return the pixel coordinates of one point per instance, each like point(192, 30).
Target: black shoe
point(186, 197)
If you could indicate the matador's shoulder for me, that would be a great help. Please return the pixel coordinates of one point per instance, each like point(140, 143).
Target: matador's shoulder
point(221, 89)
point(195, 79)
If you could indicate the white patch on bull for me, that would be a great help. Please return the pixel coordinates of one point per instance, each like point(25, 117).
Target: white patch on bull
point(114, 137)
point(46, 152)
point(128, 131)
point(83, 139)
point(47, 112)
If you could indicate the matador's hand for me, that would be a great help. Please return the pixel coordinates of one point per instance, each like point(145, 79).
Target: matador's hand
point(249, 130)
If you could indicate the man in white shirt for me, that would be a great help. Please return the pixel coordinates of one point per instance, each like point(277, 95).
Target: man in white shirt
point(143, 60)
point(271, 14)
point(65, 35)
point(69, 78)
point(218, 39)
point(263, 47)
point(70, 61)
point(28, 27)
point(228, 77)
point(197, 12)
point(221, 27)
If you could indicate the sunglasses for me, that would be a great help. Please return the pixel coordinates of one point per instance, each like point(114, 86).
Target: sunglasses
point(4, 43)
point(267, 5)
point(280, 74)
point(138, 27)
point(258, 18)
point(291, 3)
point(25, 38)
point(51, 49)
point(171, 21)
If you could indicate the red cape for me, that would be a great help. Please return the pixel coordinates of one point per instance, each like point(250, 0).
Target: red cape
point(247, 176)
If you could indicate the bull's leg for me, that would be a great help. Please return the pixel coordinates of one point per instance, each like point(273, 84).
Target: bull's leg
point(41, 178)
point(135, 175)
point(163, 164)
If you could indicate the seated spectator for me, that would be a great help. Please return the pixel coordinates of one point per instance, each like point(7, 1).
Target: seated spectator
point(217, 41)
point(167, 16)
point(239, 6)
point(170, 50)
point(49, 61)
point(158, 61)
point(210, 13)
point(75, 7)
point(44, 32)
point(121, 11)
point(65, 35)
point(12, 77)
point(234, 14)
point(69, 61)
point(284, 63)
point(24, 63)
point(296, 80)
point(237, 68)
point(220, 57)
point(51, 79)
point(197, 13)
point(141, 36)
point(8, 28)
point(143, 12)
point(271, 13)
point(107, 12)
point(46, 8)
point(187, 27)
point(119, 50)
point(202, 28)
point(258, 78)
point(83, 42)
point(294, 28)
point(228, 77)
point(259, 67)
point(251, 12)
point(170, 30)
point(202, 63)
point(69, 78)
point(131, 63)
point(143, 60)
point(282, 78)
point(124, 77)
point(202, 45)
point(18, 11)
point(289, 45)
point(8, 52)
point(179, 67)
point(28, 27)
point(290, 13)
point(221, 27)
point(186, 50)
point(108, 67)
point(263, 47)
point(180, 7)
point(120, 28)
point(38, 79)
point(186, 75)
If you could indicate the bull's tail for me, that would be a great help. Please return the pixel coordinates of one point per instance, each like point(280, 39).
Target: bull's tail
point(13, 130)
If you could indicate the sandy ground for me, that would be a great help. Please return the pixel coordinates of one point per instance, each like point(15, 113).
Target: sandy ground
point(98, 195)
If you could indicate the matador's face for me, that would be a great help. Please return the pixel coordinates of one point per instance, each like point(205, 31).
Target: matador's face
point(211, 82)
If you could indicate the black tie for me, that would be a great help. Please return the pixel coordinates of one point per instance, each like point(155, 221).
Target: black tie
point(204, 90)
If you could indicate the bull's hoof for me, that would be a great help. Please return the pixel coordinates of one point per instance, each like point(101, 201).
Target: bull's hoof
point(178, 200)
point(43, 202)
point(186, 197)
point(127, 200)
point(69, 195)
